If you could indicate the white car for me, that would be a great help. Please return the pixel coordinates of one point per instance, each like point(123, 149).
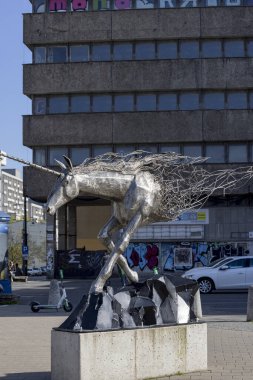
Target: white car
point(234, 272)
point(34, 272)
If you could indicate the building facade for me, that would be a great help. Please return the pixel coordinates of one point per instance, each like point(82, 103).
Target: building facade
point(157, 75)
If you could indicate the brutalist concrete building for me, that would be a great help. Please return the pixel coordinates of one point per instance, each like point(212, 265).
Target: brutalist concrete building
point(157, 75)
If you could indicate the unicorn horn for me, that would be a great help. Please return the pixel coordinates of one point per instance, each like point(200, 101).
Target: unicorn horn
point(29, 164)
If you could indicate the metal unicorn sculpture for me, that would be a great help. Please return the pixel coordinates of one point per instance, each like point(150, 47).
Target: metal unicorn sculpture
point(143, 188)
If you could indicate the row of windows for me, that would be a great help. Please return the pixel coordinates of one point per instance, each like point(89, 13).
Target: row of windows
point(184, 101)
point(173, 49)
point(95, 5)
point(217, 153)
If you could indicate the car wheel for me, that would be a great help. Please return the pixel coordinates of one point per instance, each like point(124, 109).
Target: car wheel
point(206, 285)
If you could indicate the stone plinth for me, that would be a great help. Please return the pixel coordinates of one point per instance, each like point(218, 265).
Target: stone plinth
point(129, 354)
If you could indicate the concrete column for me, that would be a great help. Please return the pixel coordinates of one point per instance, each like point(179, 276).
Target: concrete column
point(250, 304)
point(61, 222)
point(71, 227)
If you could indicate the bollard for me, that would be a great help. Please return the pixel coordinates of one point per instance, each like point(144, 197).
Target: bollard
point(54, 293)
point(196, 307)
point(250, 304)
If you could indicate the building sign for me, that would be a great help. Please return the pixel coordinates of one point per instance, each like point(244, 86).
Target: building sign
point(193, 217)
point(40, 6)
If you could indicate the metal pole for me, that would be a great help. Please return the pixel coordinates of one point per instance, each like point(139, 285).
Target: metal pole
point(25, 244)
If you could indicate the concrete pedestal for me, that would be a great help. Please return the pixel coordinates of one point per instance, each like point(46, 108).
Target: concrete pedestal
point(133, 354)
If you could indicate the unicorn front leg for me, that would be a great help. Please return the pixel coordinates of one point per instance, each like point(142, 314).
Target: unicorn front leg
point(105, 235)
point(116, 256)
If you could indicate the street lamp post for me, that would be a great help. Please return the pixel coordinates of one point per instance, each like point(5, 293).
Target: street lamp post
point(25, 242)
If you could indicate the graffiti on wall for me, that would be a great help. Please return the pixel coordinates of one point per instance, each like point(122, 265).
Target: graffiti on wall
point(143, 256)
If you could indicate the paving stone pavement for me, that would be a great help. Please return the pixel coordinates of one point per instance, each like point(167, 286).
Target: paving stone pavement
point(25, 352)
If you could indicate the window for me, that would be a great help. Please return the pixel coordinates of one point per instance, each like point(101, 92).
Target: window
point(56, 154)
point(237, 153)
point(193, 150)
point(123, 103)
point(39, 55)
point(78, 155)
point(234, 48)
point(250, 48)
point(101, 149)
point(101, 52)
point(58, 104)
point(167, 102)
point(189, 101)
point(251, 100)
point(167, 50)
point(80, 103)
point(39, 156)
point(79, 53)
point(148, 148)
point(145, 50)
point(211, 49)
point(170, 148)
point(122, 51)
point(39, 106)
point(237, 100)
point(57, 54)
point(124, 149)
point(241, 263)
point(146, 102)
point(102, 103)
point(189, 49)
point(216, 153)
point(214, 100)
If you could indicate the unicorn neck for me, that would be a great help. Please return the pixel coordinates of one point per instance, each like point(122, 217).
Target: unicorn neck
point(109, 185)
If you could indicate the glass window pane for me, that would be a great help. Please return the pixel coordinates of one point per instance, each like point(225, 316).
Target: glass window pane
point(145, 50)
point(251, 100)
point(80, 103)
point(216, 153)
point(250, 48)
point(189, 101)
point(237, 100)
point(170, 148)
point(78, 155)
point(79, 53)
point(101, 52)
point(39, 106)
point(123, 103)
point(122, 51)
point(211, 49)
point(39, 156)
point(146, 102)
point(57, 54)
point(124, 149)
point(214, 100)
point(193, 150)
point(189, 49)
point(234, 48)
point(237, 153)
point(39, 55)
point(56, 154)
point(58, 104)
point(101, 149)
point(167, 50)
point(148, 148)
point(102, 103)
point(167, 102)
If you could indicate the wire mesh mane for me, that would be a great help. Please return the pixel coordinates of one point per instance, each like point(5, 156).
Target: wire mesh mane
point(184, 183)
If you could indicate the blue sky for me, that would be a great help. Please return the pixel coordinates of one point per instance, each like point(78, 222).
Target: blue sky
point(13, 103)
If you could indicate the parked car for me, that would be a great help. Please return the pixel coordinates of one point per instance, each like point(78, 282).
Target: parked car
point(235, 272)
point(34, 272)
point(44, 270)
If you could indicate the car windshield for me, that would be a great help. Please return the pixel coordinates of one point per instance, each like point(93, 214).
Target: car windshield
point(217, 263)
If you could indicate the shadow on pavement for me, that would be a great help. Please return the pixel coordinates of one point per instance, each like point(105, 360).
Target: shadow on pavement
point(27, 376)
